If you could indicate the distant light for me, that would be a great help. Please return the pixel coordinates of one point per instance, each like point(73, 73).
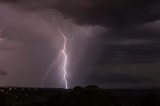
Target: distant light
point(2, 90)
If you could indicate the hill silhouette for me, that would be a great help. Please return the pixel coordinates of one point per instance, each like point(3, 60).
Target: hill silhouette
point(88, 96)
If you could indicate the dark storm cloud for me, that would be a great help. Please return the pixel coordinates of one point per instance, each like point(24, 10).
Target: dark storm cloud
point(123, 15)
point(132, 21)
point(115, 78)
point(35, 42)
point(127, 51)
point(107, 12)
point(130, 35)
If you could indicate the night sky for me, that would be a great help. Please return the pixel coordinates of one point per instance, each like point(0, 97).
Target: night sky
point(111, 43)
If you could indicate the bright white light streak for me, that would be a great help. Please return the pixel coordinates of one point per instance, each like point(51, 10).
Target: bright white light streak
point(51, 67)
point(65, 58)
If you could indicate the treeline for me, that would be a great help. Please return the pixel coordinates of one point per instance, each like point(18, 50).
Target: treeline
point(88, 96)
point(78, 96)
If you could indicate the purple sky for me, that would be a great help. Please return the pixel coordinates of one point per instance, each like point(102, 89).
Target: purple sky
point(110, 43)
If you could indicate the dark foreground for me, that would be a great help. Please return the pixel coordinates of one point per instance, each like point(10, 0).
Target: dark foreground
point(88, 96)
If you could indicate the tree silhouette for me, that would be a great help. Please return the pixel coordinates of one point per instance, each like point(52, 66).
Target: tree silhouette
point(151, 100)
point(2, 99)
point(88, 96)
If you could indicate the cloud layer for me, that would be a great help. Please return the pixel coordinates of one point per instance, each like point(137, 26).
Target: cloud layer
point(33, 42)
point(100, 32)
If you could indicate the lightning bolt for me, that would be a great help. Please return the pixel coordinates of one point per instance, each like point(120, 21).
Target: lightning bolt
point(50, 67)
point(63, 54)
point(65, 58)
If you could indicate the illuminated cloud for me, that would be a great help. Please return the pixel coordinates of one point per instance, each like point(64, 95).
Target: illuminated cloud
point(100, 32)
point(34, 41)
